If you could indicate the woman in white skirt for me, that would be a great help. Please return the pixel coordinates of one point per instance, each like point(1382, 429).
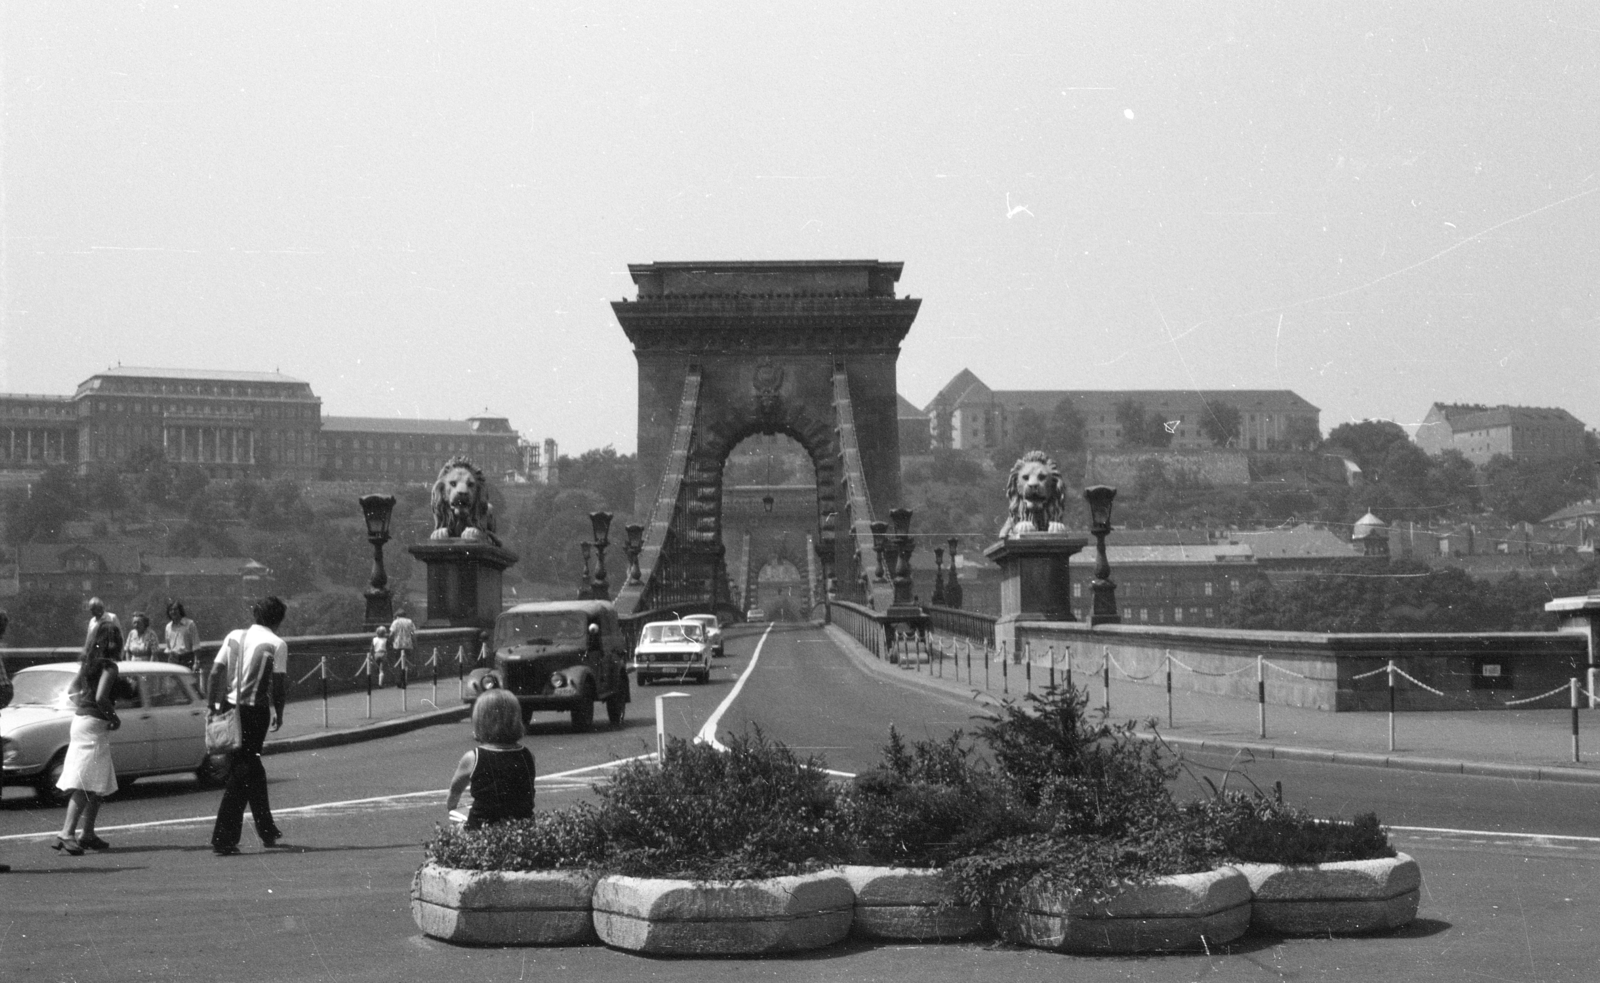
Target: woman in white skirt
point(87, 772)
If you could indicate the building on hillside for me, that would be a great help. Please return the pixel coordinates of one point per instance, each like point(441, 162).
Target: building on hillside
point(967, 415)
point(1298, 551)
point(397, 449)
point(1371, 536)
point(539, 464)
point(243, 424)
point(110, 571)
point(915, 437)
point(1522, 433)
point(1173, 585)
point(1574, 525)
point(204, 583)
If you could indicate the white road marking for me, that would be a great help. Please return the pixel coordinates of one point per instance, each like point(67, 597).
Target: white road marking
point(708, 733)
point(1544, 839)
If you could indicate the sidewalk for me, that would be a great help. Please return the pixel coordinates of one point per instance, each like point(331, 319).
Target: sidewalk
point(1526, 744)
point(392, 712)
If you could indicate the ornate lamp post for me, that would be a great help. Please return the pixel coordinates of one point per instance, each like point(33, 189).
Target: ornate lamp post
point(633, 546)
point(938, 577)
point(880, 545)
point(1102, 591)
point(601, 523)
point(585, 583)
point(903, 548)
point(952, 587)
point(376, 510)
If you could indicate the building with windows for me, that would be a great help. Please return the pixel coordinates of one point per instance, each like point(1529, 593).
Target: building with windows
point(968, 415)
point(239, 424)
point(1522, 433)
point(1174, 584)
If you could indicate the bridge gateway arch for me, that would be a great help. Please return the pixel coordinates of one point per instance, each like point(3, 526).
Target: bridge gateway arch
point(726, 350)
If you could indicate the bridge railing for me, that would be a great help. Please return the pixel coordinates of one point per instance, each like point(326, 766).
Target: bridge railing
point(446, 651)
point(971, 625)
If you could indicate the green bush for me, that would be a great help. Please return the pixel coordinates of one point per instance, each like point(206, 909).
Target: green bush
point(925, 805)
point(556, 840)
point(1264, 829)
point(752, 811)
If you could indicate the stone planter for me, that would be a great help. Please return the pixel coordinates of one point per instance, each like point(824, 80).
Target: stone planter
point(910, 904)
point(1335, 898)
point(1183, 911)
point(752, 917)
point(493, 907)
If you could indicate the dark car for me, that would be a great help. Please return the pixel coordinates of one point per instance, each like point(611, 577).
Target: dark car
point(564, 656)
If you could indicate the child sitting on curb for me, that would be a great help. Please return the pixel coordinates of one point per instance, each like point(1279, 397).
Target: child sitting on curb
point(500, 769)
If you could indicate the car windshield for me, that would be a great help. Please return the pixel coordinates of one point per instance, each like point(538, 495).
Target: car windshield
point(42, 688)
point(676, 632)
point(540, 628)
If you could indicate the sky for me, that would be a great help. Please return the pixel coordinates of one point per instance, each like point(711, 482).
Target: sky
point(425, 209)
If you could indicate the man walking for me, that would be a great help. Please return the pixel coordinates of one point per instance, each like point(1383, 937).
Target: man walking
point(249, 672)
point(403, 638)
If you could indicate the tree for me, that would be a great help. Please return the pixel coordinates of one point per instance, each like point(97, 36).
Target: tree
point(1067, 428)
point(1366, 442)
point(1527, 491)
point(51, 503)
point(293, 570)
point(549, 528)
point(606, 473)
point(1301, 433)
point(1220, 422)
point(328, 612)
point(1141, 428)
point(101, 487)
point(41, 617)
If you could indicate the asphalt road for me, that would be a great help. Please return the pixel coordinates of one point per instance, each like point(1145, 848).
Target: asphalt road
point(1502, 899)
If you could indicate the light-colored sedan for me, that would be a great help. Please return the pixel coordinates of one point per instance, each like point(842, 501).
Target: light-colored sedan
point(674, 650)
point(713, 629)
point(163, 726)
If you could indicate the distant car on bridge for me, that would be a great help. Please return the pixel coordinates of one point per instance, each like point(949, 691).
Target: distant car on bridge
point(713, 629)
point(675, 650)
point(559, 655)
point(755, 614)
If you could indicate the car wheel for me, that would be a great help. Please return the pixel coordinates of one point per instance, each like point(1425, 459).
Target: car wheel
point(617, 706)
point(643, 680)
point(583, 713)
point(46, 788)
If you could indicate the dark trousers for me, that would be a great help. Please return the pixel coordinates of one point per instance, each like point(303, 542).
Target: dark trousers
point(247, 783)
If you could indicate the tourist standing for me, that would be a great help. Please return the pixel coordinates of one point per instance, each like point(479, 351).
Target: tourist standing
point(249, 673)
point(142, 643)
point(380, 652)
point(97, 615)
point(183, 637)
point(87, 774)
point(403, 639)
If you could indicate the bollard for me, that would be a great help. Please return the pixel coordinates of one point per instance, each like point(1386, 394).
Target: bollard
point(1105, 651)
point(400, 680)
point(661, 723)
point(1051, 650)
point(1005, 675)
point(1261, 695)
point(1391, 704)
point(324, 667)
point(1575, 757)
point(1169, 689)
point(969, 662)
point(366, 667)
point(986, 665)
point(1068, 653)
point(1027, 665)
point(435, 663)
point(461, 661)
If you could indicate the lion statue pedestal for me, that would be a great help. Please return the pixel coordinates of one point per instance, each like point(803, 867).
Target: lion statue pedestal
point(463, 556)
point(1033, 553)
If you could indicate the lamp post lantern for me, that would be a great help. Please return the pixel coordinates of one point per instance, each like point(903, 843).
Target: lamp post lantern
point(601, 524)
point(1102, 591)
point(904, 544)
point(880, 545)
point(633, 546)
point(377, 510)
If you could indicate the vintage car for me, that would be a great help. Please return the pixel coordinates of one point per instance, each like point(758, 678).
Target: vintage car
point(713, 629)
point(564, 656)
point(755, 614)
point(163, 727)
point(675, 650)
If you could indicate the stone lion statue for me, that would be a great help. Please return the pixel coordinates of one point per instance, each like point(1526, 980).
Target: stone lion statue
point(1036, 497)
point(461, 508)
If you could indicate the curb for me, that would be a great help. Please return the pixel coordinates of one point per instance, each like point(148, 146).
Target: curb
point(354, 735)
point(1363, 759)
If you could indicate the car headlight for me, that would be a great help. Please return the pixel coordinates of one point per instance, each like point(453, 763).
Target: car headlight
point(558, 680)
point(8, 751)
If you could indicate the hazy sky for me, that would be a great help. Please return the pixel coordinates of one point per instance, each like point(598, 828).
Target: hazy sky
point(423, 209)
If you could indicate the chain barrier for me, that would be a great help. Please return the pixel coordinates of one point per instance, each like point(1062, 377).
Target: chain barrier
point(1366, 675)
point(1290, 672)
point(1414, 680)
point(1128, 675)
point(1563, 688)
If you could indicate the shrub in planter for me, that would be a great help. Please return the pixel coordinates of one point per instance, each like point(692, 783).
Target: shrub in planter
point(722, 853)
point(525, 882)
point(1311, 876)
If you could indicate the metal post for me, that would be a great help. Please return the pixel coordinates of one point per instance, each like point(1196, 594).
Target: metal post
point(1051, 649)
point(435, 663)
point(461, 661)
point(1575, 757)
point(1027, 664)
point(405, 694)
point(1005, 674)
point(1391, 704)
point(986, 665)
point(1261, 694)
point(324, 667)
point(969, 662)
point(1069, 666)
point(1169, 689)
point(1106, 652)
point(367, 667)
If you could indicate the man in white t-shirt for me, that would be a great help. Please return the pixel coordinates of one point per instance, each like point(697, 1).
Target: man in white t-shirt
point(403, 638)
point(249, 673)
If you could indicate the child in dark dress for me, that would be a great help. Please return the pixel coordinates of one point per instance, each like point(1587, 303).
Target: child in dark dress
point(499, 770)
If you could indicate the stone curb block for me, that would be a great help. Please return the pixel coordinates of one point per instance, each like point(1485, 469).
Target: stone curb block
point(490, 907)
point(354, 735)
point(1340, 898)
point(1183, 911)
point(752, 917)
point(910, 904)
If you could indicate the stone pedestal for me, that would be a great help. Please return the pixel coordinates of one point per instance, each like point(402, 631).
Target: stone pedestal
point(1581, 615)
point(463, 581)
point(1035, 584)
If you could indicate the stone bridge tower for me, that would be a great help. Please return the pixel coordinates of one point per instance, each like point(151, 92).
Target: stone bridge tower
point(730, 349)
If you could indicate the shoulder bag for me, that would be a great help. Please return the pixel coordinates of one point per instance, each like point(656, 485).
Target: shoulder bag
point(223, 735)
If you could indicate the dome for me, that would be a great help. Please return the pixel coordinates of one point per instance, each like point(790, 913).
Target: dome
point(1370, 526)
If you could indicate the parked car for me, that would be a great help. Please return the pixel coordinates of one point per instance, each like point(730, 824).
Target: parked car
point(755, 614)
point(674, 650)
point(163, 728)
point(713, 629)
point(564, 656)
